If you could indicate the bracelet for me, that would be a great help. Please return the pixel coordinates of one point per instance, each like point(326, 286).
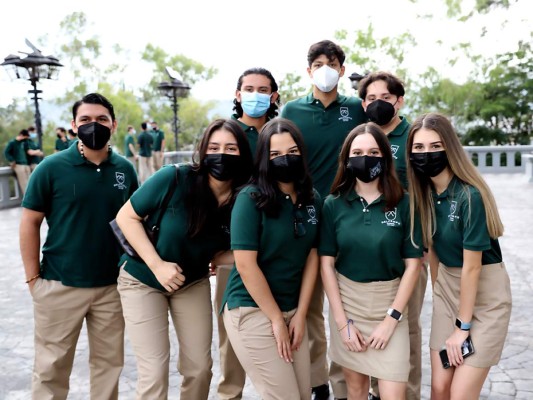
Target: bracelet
point(350, 321)
point(33, 278)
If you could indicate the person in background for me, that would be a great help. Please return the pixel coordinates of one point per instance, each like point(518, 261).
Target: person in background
point(172, 275)
point(383, 98)
point(62, 142)
point(18, 153)
point(129, 146)
point(158, 147)
point(144, 144)
point(78, 191)
point(37, 157)
point(324, 117)
point(256, 102)
point(460, 227)
point(72, 136)
point(274, 233)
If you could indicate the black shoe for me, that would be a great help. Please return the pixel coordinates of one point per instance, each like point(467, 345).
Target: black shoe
point(372, 397)
point(320, 392)
point(344, 398)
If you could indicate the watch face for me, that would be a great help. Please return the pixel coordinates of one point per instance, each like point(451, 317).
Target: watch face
point(395, 314)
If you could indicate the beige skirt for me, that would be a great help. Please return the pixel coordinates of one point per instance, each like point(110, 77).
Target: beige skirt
point(490, 320)
point(366, 304)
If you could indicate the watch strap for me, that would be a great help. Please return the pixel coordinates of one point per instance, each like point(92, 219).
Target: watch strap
point(464, 326)
point(394, 314)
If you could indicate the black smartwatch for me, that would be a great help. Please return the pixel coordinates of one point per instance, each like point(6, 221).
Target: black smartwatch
point(464, 326)
point(395, 314)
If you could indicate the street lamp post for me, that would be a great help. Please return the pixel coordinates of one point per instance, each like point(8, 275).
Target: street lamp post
point(174, 90)
point(33, 67)
point(355, 78)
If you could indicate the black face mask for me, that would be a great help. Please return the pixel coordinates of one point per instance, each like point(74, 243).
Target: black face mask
point(94, 135)
point(287, 168)
point(380, 111)
point(429, 164)
point(365, 168)
point(222, 167)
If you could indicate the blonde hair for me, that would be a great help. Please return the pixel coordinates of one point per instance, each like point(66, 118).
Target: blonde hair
point(421, 200)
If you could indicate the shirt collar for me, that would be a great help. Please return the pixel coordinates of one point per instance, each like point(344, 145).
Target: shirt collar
point(75, 158)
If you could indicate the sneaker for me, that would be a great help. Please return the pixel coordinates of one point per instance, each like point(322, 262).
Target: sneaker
point(320, 392)
point(372, 397)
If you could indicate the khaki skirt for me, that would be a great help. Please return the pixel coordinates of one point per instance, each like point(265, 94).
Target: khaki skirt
point(490, 320)
point(367, 304)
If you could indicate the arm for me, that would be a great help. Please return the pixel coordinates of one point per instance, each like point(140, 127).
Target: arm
point(30, 242)
point(168, 274)
point(255, 282)
point(352, 339)
point(297, 324)
point(221, 258)
point(163, 144)
point(381, 335)
point(132, 149)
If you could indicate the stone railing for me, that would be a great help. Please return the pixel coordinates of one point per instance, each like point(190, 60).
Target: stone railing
point(488, 159)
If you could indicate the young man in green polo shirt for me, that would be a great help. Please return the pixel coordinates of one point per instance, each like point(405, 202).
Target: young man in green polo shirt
point(129, 147)
point(145, 143)
point(324, 117)
point(383, 97)
point(78, 191)
point(62, 142)
point(18, 153)
point(158, 146)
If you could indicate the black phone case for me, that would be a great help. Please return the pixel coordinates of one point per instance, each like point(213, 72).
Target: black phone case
point(467, 349)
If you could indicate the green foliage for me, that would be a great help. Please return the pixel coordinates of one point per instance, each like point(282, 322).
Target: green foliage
point(291, 87)
point(483, 136)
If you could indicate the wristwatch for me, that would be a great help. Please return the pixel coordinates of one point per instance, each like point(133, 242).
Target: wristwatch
point(395, 314)
point(464, 326)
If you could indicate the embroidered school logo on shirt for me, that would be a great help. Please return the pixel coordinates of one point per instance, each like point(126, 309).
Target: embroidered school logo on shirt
point(121, 178)
point(453, 209)
point(390, 218)
point(312, 214)
point(394, 148)
point(345, 114)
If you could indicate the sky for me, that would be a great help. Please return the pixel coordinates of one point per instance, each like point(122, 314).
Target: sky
point(239, 34)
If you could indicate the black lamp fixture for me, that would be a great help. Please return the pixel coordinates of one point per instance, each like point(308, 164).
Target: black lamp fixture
point(33, 67)
point(174, 89)
point(355, 78)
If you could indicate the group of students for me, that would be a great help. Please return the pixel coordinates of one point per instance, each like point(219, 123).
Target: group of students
point(284, 209)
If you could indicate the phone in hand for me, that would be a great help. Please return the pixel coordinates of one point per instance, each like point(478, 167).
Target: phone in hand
point(467, 349)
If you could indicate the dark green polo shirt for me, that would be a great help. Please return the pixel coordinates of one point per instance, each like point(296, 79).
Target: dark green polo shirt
point(129, 140)
point(398, 139)
point(462, 224)
point(174, 243)
point(280, 255)
point(79, 199)
point(324, 131)
point(16, 151)
point(251, 133)
point(158, 136)
point(33, 146)
point(62, 145)
point(368, 246)
point(145, 141)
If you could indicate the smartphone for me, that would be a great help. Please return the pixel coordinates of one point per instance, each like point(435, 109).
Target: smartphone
point(467, 349)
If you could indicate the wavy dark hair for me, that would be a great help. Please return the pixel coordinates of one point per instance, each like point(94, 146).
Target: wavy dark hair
point(272, 112)
point(267, 199)
point(92, 98)
point(200, 201)
point(331, 50)
point(389, 184)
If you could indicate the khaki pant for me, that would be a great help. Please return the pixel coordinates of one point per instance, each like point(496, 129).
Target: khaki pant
point(134, 162)
point(146, 314)
point(146, 168)
point(415, 338)
point(23, 175)
point(232, 375)
point(250, 333)
point(157, 157)
point(59, 312)
point(317, 336)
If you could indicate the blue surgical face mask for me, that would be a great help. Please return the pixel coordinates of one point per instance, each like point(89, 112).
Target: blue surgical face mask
point(255, 104)
point(33, 135)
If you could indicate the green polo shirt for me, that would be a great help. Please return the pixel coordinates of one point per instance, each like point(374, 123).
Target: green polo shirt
point(129, 140)
point(158, 136)
point(324, 131)
point(368, 246)
point(462, 224)
point(145, 141)
point(62, 145)
point(15, 151)
point(251, 133)
point(33, 146)
point(79, 199)
point(174, 243)
point(398, 140)
point(280, 255)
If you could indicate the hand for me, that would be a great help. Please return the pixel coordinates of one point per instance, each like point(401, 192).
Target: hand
point(382, 333)
point(352, 338)
point(32, 284)
point(296, 330)
point(13, 165)
point(281, 334)
point(453, 346)
point(169, 275)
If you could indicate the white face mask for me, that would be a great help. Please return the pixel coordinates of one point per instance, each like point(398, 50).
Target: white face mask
point(325, 78)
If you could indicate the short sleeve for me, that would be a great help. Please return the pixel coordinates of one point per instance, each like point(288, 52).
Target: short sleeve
point(39, 189)
point(245, 222)
point(327, 238)
point(151, 193)
point(475, 232)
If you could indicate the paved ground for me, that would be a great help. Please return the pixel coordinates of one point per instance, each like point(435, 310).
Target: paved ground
point(511, 379)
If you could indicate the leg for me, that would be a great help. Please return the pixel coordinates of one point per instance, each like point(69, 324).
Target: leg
point(467, 382)
point(192, 316)
point(105, 330)
point(357, 384)
point(59, 312)
point(302, 368)
point(23, 175)
point(391, 390)
point(232, 376)
point(142, 169)
point(441, 379)
point(146, 315)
